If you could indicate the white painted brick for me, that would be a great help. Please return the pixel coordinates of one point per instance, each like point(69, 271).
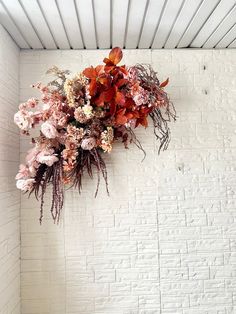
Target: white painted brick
point(208, 245)
point(186, 286)
point(215, 285)
point(104, 221)
point(174, 301)
point(174, 274)
point(149, 301)
point(145, 288)
point(105, 276)
point(120, 289)
point(115, 247)
point(198, 273)
point(138, 274)
point(115, 302)
point(210, 299)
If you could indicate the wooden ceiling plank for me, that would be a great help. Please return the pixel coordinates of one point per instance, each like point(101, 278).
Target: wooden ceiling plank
point(222, 9)
point(150, 23)
point(87, 23)
point(37, 19)
point(228, 38)
point(198, 20)
point(186, 14)
point(134, 24)
point(21, 20)
point(53, 18)
point(12, 29)
point(102, 9)
point(168, 19)
point(119, 17)
point(222, 29)
point(69, 16)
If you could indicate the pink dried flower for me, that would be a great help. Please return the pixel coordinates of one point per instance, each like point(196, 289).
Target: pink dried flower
point(88, 143)
point(49, 130)
point(107, 137)
point(80, 116)
point(32, 103)
point(25, 185)
point(24, 120)
point(47, 157)
point(141, 98)
point(23, 172)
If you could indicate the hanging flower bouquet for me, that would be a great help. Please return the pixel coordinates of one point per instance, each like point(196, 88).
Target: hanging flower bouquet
point(81, 118)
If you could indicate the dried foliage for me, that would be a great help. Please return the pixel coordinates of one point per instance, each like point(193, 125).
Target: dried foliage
point(81, 118)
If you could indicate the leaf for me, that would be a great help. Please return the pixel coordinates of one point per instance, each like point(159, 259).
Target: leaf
point(122, 69)
point(120, 117)
point(105, 96)
point(129, 115)
point(90, 72)
point(112, 108)
point(129, 103)
point(120, 98)
point(92, 87)
point(104, 80)
point(115, 55)
point(108, 94)
point(163, 84)
point(121, 120)
point(99, 69)
point(108, 62)
point(121, 82)
point(108, 67)
point(143, 121)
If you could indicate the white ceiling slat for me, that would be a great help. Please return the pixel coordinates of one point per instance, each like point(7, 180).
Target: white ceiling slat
point(222, 29)
point(131, 24)
point(51, 13)
point(168, 18)
point(213, 21)
point(233, 44)
point(102, 9)
point(69, 16)
point(228, 38)
point(119, 17)
point(7, 22)
point(21, 20)
point(33, 10)
point(187, 12)
point(198, 20)
point(134, 24)
point(87, 23)
point(150, 23)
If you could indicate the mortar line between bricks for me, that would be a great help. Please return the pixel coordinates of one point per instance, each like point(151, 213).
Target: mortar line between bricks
point(158, 255)
point(64, 246)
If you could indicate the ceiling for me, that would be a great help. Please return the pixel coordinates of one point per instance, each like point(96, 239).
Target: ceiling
point(92, 24)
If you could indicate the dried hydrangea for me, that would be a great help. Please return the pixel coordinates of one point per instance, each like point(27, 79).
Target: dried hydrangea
point(75, 90)
point(107, 138)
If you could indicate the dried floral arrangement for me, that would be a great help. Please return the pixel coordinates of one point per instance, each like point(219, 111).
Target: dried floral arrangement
point(81, 118)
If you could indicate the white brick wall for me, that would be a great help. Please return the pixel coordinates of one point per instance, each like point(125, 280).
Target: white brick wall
point(165, 240)
point(9, 160)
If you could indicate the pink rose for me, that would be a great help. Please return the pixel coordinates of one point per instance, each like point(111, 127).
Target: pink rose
point(25, 185)
point(47, 157)
point(49, 160)
point(23, 120)
point(88, 143)
point(49, 130)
